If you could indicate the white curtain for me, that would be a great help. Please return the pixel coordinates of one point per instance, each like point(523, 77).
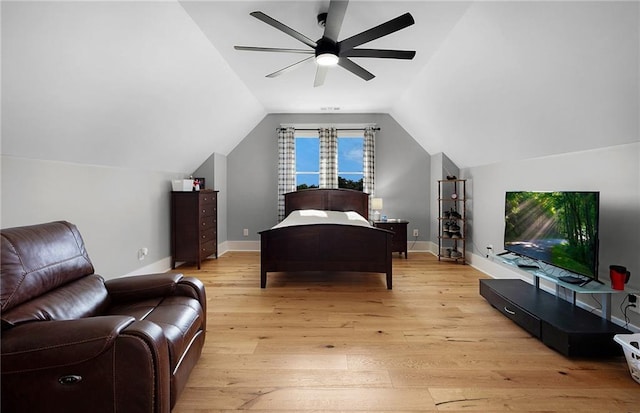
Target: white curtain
point(286, 166)
point(368, 164)
point(328, 157)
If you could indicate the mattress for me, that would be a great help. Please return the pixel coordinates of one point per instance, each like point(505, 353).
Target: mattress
point(315, 216)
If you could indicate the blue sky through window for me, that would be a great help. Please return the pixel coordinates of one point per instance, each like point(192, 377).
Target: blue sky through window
point(350, 155)
point(350, 159)
point(308, 161)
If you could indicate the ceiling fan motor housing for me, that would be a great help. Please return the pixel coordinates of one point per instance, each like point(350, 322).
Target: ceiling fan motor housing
point(322, 19)
point(327, 46)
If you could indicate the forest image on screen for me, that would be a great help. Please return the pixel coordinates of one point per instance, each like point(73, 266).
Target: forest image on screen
point(559, 228)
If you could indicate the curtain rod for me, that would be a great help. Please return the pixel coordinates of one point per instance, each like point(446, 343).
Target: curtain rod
point(338, 129)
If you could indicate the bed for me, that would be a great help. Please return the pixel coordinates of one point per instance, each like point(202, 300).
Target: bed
point(326, 246)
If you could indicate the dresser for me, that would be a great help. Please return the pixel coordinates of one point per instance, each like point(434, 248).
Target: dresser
point(194, 226)
point(399, 229)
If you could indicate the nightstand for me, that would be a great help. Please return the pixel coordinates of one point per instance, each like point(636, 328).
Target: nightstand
point(399, 239)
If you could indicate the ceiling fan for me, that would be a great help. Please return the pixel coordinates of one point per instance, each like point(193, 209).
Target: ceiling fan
point(328, 51)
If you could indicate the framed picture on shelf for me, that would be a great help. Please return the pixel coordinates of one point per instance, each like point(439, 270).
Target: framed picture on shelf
point(199, 182)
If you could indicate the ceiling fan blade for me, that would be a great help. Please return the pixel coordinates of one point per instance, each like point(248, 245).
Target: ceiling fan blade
point(283, 28)
point(381, 30)
point(273, 49)
point(355, 68)
point(289, 68)
point(321, 74)
point(381, 53)
point(335, 16)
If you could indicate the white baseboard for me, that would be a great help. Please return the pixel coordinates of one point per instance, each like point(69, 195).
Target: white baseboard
point(160, 266)
point(419, 246)
point(242, 245)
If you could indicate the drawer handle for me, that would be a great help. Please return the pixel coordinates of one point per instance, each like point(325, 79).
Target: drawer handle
point(509, 311)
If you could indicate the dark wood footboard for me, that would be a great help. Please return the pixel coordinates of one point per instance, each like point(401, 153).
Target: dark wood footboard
point(326, 247)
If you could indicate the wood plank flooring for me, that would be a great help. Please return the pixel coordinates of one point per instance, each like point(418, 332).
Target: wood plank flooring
point(322, 342)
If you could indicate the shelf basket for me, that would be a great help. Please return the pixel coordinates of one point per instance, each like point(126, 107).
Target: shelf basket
point(631, 345)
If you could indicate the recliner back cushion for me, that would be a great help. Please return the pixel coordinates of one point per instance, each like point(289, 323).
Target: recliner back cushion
point(86, 297)
point(37, 259)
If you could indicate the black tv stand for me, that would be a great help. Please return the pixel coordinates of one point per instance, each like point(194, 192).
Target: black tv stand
point(560, 325)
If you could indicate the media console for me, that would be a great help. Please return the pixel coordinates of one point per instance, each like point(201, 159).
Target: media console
point(560, 325)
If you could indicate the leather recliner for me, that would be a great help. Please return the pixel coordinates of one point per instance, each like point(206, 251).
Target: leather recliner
point(73, 342)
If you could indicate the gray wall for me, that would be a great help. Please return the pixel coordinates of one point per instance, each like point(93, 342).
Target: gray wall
point(441, 167)
point(402, 173)
point(214, 170)
point(220, 184)
point(613, 171)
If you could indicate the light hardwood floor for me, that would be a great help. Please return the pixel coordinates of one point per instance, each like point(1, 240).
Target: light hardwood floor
point(344, 343)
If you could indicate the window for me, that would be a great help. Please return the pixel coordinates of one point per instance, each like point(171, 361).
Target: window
point(307, 161)
point(350, 170)
point(325, 158)
point(350, 162)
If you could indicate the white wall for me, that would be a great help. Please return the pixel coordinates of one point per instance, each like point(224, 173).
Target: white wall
point(614, 171)
point(523, 79)
point(126, 84)
point(117, 210)
point(103, 103)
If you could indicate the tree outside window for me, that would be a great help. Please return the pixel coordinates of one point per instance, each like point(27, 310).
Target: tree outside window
point(350, 165)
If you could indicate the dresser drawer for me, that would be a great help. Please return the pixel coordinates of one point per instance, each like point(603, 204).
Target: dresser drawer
point(207, 199)
point(207, 235)
point(207, 223)
point(208, 248)
point(207, 210)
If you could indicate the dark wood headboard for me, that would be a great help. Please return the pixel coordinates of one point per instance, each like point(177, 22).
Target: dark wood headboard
point(328, 200)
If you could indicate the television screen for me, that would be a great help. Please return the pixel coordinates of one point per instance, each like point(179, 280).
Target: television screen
point(558, 228)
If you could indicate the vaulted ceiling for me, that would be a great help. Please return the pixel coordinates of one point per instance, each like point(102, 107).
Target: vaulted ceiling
point(158, 85)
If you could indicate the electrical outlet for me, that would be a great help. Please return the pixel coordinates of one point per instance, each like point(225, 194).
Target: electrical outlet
point(489, 250)
point(245, 232)
point(142, 252)
point(636, 303)
point(415, 232)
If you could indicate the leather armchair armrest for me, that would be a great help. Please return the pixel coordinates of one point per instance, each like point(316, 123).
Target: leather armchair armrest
point(194, 288)
point(140, 287)
point(47, 344)
point(97, 364)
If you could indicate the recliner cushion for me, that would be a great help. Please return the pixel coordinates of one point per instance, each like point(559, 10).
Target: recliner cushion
point(86, 297)
point(179, 317)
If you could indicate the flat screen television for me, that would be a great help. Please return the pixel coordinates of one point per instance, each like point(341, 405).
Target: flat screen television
point(557, 228)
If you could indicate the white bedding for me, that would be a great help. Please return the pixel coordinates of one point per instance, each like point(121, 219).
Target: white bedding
point(315, 216)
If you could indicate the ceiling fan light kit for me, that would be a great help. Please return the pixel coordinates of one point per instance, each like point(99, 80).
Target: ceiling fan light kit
point(328, 50)
point(327, 59)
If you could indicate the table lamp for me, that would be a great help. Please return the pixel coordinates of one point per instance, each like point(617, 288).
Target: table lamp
point(376, 205)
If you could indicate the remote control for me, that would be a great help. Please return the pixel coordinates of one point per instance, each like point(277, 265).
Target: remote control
point(530, 266)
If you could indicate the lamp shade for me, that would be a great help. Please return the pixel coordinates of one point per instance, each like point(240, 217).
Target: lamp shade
point(376, 203)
